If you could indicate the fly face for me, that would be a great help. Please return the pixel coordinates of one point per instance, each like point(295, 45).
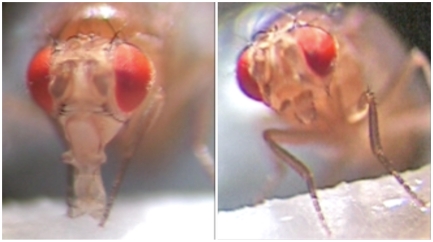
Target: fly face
point(289, 66)
point(92, 86)
point(103, 76)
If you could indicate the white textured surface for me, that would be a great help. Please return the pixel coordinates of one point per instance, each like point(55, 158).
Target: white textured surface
point(368, 209)
point(162, 217)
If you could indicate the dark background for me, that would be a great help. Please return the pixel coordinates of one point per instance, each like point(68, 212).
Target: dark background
point(411, 20)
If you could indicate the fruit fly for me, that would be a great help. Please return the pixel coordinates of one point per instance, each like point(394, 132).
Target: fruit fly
point(335, 75)
point(107, 73)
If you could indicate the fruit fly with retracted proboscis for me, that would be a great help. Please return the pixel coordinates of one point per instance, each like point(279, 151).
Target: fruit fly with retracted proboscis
point(108, 74)
point(342, 81)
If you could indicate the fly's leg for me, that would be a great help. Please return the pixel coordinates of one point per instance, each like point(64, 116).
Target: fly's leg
point(202, 121)
point(279, 171)
point(70, 194)
point(415, 118)
point(134, 131)
point(300, 168)
point(420, 60)
point(416, 61)
point(377, 150)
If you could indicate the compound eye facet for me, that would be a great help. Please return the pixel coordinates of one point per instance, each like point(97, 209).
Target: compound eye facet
point(133, 73)
point(38, 79)
point(318, 47)
point(246, 82)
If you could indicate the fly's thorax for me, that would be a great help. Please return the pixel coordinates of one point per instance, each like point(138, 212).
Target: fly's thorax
point(102, 19)
point(108, 19)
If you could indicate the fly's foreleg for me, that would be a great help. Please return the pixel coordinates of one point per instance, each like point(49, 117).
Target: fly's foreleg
point(377, 149)
point(416, 61)
point(70, 194)
point(420, 60)
point(279, 171)
point(300, 168)
point(201, 128)
point(134, 131)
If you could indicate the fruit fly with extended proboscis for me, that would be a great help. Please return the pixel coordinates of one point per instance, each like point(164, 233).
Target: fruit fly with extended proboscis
point(106, 75)
point(343, 83)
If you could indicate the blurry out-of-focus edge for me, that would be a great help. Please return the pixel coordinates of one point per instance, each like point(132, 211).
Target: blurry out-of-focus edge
point(367, 209)
point(152, 216)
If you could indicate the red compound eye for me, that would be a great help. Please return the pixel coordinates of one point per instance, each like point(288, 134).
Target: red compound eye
point(38, 79)
point(318, 47)
point(133, 72)
point(246, 82)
